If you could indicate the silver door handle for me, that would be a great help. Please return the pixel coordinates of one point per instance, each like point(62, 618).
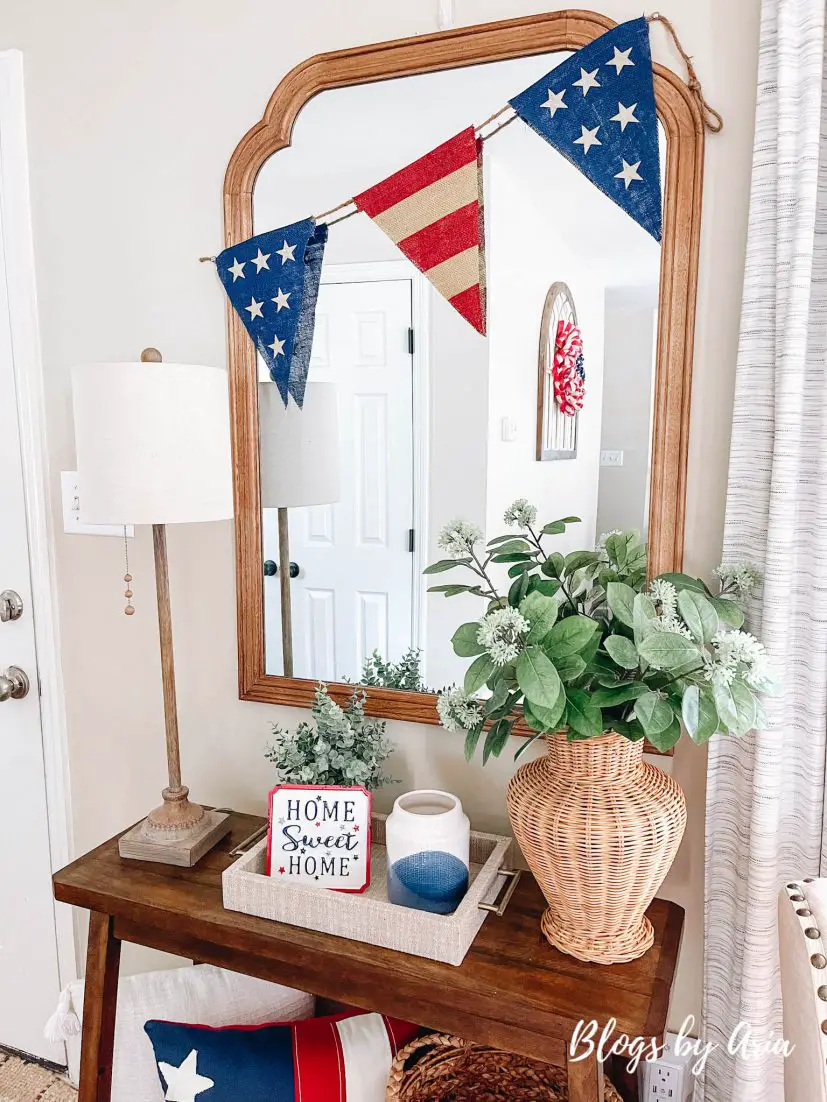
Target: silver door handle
point(11, 606)
point(14, 684)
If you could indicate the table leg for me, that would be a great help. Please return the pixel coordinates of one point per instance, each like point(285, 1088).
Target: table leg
point(585, 1080)
point(103, 959)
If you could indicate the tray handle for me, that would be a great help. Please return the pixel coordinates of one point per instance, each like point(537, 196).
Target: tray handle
point(498, 909)
point(249, 841)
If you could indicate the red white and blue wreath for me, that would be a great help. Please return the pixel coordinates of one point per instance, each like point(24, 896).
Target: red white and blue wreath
point(567, 372)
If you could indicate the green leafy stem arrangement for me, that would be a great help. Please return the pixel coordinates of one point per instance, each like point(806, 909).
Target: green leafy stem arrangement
point(585, 643)
point(337, 746)
point(406, 674)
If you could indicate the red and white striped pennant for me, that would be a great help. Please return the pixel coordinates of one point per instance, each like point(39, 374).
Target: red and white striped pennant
point(433, 211)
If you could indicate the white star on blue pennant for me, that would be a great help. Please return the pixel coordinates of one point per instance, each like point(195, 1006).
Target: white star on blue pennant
point(607, 86)
point(276, 300)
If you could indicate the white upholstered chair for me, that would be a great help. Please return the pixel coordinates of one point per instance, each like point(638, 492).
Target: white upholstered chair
point(802, 930)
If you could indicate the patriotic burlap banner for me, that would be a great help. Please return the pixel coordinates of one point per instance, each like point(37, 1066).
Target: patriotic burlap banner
point(433, 211)
point(598, 109)
point(272, 281)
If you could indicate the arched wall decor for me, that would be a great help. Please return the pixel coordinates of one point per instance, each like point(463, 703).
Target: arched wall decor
point(556, 432)
point(458, 48)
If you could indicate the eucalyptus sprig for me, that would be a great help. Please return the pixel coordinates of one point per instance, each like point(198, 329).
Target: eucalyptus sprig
point(337, 746)
point(585, 643)
point(406, 674)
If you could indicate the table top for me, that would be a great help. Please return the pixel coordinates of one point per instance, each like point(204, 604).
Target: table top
point(512, 990)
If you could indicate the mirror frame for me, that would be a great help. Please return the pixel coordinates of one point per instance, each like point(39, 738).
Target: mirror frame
point(453, 49)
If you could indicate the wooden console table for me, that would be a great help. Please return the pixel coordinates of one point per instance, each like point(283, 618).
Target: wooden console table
point(512, 991)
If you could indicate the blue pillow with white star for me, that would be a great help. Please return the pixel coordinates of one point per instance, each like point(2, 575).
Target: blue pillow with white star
point(347, 1056)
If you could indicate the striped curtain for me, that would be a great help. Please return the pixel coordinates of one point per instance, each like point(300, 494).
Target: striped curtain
point(766, 793)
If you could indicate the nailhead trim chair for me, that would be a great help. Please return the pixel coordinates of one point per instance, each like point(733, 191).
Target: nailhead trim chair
point(802, 922)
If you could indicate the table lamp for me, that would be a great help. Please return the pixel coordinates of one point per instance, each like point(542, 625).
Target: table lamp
point(299, 460)
point(153, 447)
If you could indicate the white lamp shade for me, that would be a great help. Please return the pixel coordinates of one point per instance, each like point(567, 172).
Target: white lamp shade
point(152, 442)
point(299, 447)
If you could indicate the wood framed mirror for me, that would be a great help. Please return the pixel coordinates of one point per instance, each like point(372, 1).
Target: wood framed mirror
point(375, 86)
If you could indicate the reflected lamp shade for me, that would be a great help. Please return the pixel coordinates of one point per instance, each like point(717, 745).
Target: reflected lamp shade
point(299, 447)
point(152, 443)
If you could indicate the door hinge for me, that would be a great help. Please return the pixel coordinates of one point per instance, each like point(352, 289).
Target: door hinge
point(411, 341)
point(411, 540)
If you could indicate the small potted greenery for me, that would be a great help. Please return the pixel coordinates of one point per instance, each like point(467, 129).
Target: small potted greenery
point(337, 746)
point(584, 651)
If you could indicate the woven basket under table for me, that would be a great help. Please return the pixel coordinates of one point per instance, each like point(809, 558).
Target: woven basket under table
point(442, 1068)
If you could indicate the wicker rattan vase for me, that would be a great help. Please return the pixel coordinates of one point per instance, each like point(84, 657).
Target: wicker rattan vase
point(442, 1068)
point(599, 828)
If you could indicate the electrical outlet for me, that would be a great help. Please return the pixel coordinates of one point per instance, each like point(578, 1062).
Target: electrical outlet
point(664, 1082)
point(668, 1079)
point(611, 459)
point(71, 496)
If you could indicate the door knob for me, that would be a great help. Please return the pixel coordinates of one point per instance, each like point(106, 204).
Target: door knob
point(11, 606)
point(271, 569)
point(14, 684)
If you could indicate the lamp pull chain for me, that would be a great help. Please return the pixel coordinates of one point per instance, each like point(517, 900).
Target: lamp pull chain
point(130, 608)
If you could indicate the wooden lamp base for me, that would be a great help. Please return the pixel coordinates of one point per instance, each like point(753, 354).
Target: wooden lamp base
point(176, 833)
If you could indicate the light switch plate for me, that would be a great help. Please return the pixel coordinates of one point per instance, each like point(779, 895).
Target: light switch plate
point(611, 459)
point(70, 495)
point(508, 429)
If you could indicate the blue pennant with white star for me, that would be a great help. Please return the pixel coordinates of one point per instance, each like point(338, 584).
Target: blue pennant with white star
point(272, 281)
point(598, 109)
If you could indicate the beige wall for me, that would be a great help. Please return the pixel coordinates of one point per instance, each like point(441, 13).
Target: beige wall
point(628, 400)
point(133, 112)
point(519, 279)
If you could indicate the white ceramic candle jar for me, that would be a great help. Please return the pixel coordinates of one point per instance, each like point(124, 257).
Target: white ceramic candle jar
point(427, 836)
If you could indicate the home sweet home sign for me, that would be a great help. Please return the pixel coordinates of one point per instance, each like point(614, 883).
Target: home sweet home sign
point(320, 836)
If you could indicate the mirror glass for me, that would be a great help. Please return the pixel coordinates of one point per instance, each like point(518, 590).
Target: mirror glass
point(435, 421)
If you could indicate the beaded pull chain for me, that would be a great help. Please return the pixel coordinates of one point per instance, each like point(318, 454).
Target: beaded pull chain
point(130, 608)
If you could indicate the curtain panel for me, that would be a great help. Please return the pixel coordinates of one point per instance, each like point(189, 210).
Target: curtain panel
point(765, 801)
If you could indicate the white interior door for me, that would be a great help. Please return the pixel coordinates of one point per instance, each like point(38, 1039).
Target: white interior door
point(29, 980)
point(354, 591)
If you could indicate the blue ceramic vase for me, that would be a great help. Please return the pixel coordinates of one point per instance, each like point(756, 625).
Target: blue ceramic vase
point(427, 836)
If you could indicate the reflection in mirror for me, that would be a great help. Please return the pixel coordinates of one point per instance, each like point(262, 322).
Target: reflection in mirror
point(412, 418)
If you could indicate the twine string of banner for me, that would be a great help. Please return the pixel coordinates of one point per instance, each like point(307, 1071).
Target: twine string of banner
point(508, 110)
point(711, 118)
point(325, 216)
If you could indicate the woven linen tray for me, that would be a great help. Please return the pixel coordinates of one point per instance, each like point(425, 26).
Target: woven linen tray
point(369, 916)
